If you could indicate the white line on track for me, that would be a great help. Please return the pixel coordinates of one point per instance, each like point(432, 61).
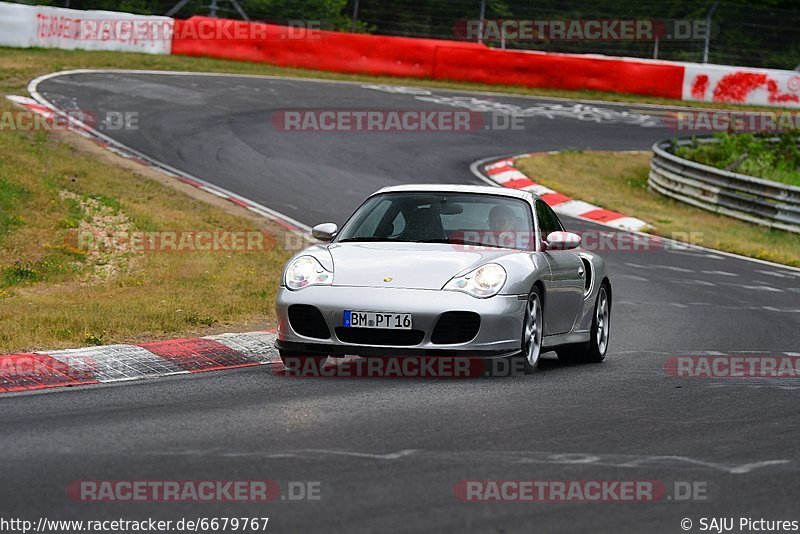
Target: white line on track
point(515, 457)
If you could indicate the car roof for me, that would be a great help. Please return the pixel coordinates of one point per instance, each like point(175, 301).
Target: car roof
point(458, 188)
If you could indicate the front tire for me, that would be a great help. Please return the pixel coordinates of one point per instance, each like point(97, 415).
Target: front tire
point(594, 351)
point(531, 333)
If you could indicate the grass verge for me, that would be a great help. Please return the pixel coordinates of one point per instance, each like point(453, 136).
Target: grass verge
point(618, 181)
point(55, 293)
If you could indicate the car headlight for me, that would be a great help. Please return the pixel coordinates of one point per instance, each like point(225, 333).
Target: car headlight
point(485, 281)
point(306, 271)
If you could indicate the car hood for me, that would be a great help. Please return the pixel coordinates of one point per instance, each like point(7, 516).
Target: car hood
point(406, 265)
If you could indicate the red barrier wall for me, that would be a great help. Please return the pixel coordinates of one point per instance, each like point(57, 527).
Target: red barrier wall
point(421, 58)
point(559, 71)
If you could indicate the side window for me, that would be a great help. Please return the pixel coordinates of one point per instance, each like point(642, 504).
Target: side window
point(398, 224)
point(548, 220)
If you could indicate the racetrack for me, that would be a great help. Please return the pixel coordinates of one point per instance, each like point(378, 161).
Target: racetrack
point(388, 452)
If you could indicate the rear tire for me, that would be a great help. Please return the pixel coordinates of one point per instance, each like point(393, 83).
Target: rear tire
point(302, 363)
point(593, 351)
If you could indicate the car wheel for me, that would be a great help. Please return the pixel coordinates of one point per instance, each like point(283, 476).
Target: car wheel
point(532, 333)
point(594, 351)
point(300, 362)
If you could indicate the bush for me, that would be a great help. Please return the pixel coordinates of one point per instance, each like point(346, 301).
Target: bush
point(768, 156)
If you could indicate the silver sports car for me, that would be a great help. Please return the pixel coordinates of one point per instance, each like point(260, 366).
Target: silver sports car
point(445, 270)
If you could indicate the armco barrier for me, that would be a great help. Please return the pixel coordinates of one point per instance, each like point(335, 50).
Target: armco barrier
point(745, 197)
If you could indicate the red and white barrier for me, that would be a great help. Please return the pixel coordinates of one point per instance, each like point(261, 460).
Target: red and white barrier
point(23, 26)
point(471, 62)
point(53, 27)
point(422, 58)
point(740, 85)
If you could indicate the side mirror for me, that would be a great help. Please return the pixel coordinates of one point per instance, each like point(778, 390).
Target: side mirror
point(324, 231)
point(562, 241)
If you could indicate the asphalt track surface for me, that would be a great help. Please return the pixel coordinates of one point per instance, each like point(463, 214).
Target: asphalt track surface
point(388, 452)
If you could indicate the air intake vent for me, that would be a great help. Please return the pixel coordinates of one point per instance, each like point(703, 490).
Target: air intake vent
point(456, 327)
point(588, 275)
point(308, 321)
point(379, 336)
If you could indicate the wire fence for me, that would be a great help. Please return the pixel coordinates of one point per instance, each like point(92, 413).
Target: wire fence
point(757, 33)
point(739, 34)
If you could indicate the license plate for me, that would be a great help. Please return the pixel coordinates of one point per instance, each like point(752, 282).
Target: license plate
point(392, 321)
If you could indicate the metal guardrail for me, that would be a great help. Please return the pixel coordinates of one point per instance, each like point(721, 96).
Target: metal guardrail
point(737, 195)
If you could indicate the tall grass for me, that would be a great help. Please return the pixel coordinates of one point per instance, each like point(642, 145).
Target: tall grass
point(769, 156)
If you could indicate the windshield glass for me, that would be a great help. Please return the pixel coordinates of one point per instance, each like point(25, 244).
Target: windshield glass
point(457, 218)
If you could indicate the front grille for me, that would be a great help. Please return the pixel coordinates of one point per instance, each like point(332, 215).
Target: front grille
point(456, 327)
point(379, 336)
point(308, 321)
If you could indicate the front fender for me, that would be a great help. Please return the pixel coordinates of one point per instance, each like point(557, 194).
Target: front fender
point(524, 270)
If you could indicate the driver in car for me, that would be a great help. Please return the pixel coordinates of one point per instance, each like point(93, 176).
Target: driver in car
point(502, 223)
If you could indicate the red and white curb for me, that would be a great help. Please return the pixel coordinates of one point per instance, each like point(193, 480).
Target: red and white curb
point(42, 107)
point(116, 363)
point(504, 173)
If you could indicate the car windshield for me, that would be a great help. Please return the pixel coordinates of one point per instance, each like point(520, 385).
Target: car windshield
point(456, 218)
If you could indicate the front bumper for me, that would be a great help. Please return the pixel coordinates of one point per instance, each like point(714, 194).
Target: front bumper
point(500, 331)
